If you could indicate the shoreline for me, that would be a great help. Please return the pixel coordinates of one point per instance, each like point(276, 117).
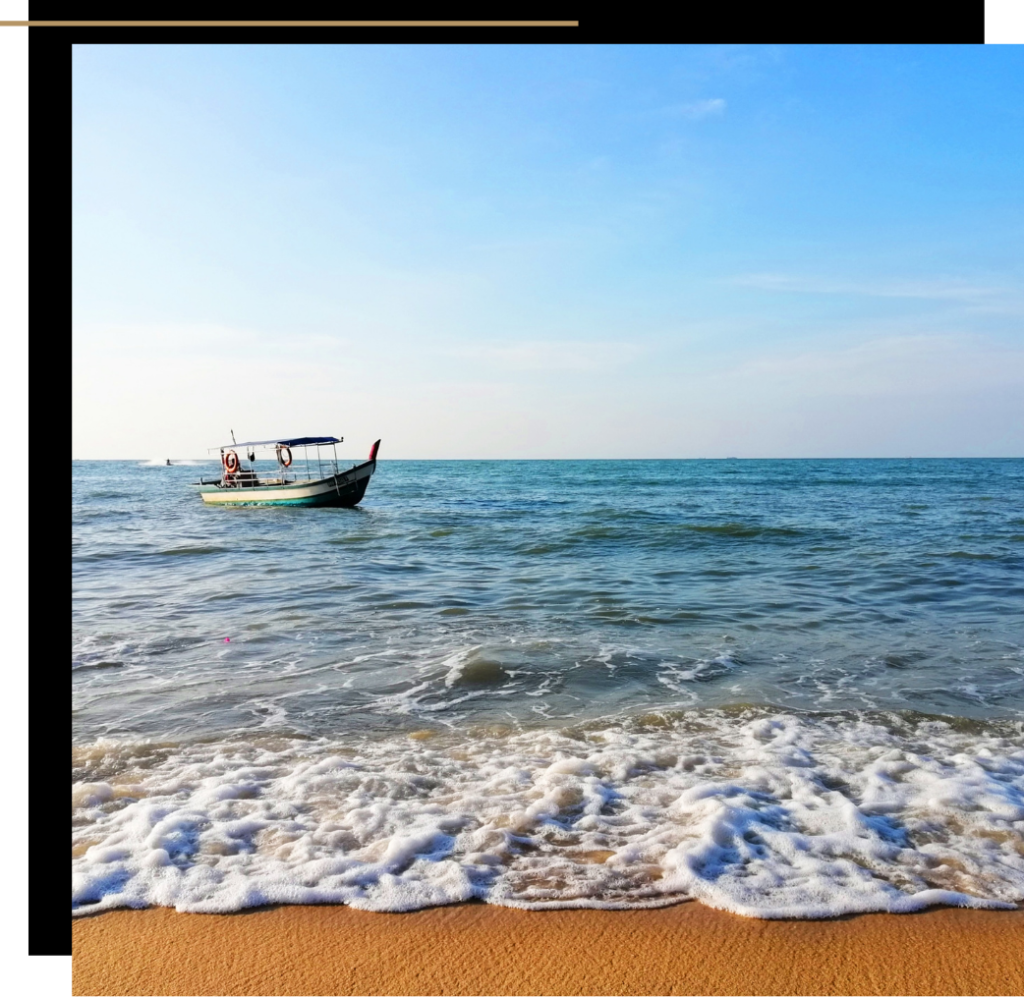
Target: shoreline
point(477, 948)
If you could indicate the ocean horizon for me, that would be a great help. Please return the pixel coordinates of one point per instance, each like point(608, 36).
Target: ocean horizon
point(788, 687)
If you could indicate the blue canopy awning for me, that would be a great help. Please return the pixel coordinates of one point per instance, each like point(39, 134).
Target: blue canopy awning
point(298, 441)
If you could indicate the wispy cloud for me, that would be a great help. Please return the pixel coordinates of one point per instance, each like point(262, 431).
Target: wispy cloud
point(694, 110)
point(933, 289)
point(203, 341)
point(549, 355)
point(926, 363)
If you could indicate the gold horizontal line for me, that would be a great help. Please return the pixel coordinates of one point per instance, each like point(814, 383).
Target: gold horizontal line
point(289, 24)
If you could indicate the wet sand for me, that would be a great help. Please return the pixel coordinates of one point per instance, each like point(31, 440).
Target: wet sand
point(481, 949)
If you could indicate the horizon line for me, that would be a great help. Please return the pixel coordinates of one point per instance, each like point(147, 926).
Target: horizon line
point(213, 460)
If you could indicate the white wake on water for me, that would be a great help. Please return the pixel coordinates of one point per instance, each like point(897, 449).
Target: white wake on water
point(162, 462)
point(764, 815)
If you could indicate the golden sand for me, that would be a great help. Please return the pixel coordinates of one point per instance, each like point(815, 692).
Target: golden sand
point(481, 949)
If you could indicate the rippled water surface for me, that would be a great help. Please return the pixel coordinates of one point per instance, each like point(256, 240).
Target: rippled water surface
point(781, 687)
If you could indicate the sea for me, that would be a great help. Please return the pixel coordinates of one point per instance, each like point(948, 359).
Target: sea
point(784, 688)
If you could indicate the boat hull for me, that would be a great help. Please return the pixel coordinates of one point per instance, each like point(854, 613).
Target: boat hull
point(346, 490)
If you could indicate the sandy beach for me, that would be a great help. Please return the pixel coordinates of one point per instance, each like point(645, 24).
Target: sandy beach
point(482, 949)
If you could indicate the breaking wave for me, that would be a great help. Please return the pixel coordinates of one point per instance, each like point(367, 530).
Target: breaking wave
point(761, 813)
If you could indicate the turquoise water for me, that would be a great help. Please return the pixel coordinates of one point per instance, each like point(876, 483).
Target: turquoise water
point(383, 693)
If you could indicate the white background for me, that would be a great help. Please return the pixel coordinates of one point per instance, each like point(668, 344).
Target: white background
point(1004, 21)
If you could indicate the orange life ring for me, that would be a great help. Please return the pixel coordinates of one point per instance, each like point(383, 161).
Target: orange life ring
point(281, 451)
point(231, 462)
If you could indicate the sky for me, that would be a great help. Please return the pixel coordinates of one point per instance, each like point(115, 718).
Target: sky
point(549, 251)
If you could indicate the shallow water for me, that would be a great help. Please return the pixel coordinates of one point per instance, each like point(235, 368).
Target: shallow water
point(787, 688)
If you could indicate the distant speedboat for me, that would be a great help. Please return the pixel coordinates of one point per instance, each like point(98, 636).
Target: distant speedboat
point(315, 480)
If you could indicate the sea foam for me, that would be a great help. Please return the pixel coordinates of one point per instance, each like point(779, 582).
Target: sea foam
point(762, 813)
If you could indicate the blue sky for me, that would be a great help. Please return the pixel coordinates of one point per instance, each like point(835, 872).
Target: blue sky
point(548, 251)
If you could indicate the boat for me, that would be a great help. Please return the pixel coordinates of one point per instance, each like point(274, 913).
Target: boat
point(316, 480)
